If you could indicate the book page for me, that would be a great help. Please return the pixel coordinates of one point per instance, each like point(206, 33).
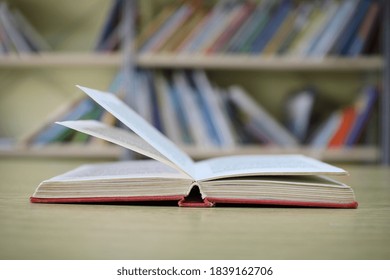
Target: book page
point(142, 128)
point(233, 166)
point(118, 136)
point(120, 170)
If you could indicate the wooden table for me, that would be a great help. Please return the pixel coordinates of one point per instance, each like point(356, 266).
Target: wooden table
point(44, 231)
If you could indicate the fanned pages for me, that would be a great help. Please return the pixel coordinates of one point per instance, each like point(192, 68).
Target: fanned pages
point(118, 136)
point(142, 128)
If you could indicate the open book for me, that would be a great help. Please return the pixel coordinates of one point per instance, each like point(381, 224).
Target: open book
point(172, 175)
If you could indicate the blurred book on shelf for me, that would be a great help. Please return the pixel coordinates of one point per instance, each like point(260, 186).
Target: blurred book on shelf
point(345, 126)
point(284, 27)
point(259, 123)
point(17, 34)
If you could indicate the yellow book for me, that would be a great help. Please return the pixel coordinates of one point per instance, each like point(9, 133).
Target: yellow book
point(316, 21)
point(154, 25)
point(273, 45)
point(312, 19)
point(181, 34)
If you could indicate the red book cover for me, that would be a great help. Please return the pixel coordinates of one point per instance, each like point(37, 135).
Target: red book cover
point(190, 202)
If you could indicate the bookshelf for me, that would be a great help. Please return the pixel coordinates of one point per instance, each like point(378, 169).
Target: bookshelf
point(68, 59)
point(69, 151)
point(215, 62)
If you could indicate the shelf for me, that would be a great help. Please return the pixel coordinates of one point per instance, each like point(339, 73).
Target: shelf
point(256, 62)
point(64, 151)
point(218, 62)
point(44, 60)
point(357, 154)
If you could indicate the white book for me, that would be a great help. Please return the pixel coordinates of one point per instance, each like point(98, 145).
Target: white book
point(313, 29)
point(8, 22)
point(335, 28)
point(197, 40)
point(324, 134)
point(169, 115)
point(31, 33)
point(197, 124)
point(167, 29)
point(220, 123)
point(331, 10)
point(256, 179)
point(226, 18)
point(142, 97)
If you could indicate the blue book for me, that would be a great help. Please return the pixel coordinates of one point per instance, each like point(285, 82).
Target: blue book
point(109, 26)
point(243, 31)
point(260, 21)
point(271, 27)
point(54, 131)
point(255, 21)
point(207, 115)
point(331, 9)
point(166, 29)
point(365, 105)
point(156, 117)
point(348, 34)
point(365, 32)
point(181, 112)
point(335, 28)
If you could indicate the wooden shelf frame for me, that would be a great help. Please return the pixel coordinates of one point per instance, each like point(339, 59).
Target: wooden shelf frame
point(356, 154)
point(196, 61)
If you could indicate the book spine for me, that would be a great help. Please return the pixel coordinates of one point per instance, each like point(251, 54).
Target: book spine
point(168, 28)
point(197, 124)
point(361, 39)
point(213, 19)
point(366, 103)
point(154, 106)
point(56, 132)
point(16, 38)
point(261, 118)
point(348, 117)
point(167, 102)
point(109, 24)
point(317, 39)
point(351, 29)
point(325, 132)
point(256, 28)
point(238, 19)
point(271, 27)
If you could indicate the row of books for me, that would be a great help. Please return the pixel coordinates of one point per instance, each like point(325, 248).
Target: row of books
point(309, 119)
point(17, 35)
point(192, 111)
point(268, 27)
point(345, 126)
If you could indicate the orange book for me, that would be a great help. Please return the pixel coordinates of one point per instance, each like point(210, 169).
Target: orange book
point(348, 118)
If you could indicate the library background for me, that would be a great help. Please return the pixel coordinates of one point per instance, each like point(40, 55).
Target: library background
point(217, 77)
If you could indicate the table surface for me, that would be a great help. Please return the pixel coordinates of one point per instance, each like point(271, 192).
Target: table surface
point(60, 231)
